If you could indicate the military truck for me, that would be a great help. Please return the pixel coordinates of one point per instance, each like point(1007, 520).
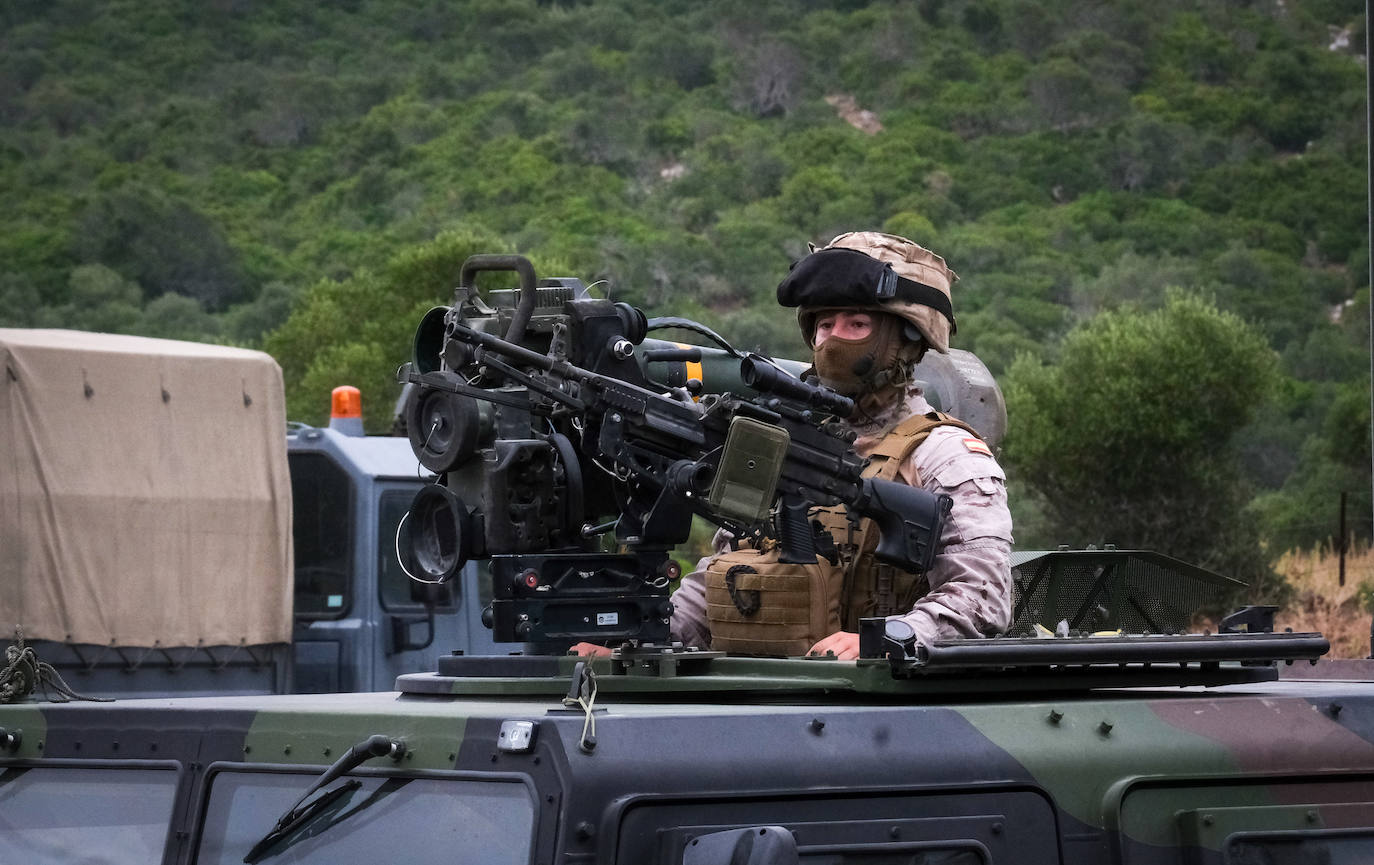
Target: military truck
point(163, 531)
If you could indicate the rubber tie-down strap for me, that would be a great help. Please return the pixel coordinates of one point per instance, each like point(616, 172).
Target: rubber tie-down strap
point(747, 601)
point(582, 695)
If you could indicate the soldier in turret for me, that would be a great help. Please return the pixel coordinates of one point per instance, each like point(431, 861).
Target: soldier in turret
point(870, 305)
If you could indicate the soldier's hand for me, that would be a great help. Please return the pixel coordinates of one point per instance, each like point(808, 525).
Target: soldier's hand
point(592, 650)
point(844, 644)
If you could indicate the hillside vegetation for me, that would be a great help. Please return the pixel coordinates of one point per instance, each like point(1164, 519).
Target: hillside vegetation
point(1158, 210)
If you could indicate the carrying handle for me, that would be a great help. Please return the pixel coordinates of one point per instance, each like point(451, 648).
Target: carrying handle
point(528, 293)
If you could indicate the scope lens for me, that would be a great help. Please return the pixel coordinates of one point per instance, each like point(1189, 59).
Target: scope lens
point(762, 375)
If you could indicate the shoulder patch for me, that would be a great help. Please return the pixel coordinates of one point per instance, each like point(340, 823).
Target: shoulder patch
point(977, 446)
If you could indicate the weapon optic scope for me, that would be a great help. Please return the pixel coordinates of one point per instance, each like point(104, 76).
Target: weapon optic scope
point(763, 376)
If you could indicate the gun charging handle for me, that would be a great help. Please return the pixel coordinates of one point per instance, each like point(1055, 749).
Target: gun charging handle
point(528, 293)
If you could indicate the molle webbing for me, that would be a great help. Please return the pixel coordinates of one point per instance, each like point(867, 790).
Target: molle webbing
point(757, 605)
point(873, 588)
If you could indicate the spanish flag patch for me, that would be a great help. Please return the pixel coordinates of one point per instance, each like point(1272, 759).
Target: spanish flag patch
point(977, 446)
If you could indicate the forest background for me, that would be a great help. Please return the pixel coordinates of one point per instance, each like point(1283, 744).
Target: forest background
point(1158, 210)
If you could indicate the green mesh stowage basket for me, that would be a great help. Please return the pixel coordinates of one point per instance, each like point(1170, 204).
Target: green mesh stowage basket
point(1135, 591)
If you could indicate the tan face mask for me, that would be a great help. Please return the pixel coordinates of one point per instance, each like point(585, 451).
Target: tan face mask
point(856, 366)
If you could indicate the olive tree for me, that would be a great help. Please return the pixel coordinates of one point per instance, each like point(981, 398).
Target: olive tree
point(1129, 437)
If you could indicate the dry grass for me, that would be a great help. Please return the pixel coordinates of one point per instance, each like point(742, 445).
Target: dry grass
point(1321, 604)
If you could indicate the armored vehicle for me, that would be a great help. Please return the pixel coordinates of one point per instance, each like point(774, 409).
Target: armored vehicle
point(1157, 750)
point(569, 454)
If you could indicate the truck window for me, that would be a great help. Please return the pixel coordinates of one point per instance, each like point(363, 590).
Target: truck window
point(400, 592)
point(105, 816)
point(322, 505)
point(434, 820)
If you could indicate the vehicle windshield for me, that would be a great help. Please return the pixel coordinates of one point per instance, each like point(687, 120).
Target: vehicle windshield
point(434, 820)
point(56, 816)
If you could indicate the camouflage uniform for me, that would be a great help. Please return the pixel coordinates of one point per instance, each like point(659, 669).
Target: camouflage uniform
point(970, 582)
point(969, 591)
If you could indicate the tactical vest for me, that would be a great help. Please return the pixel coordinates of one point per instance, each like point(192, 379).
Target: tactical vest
point(757, 605)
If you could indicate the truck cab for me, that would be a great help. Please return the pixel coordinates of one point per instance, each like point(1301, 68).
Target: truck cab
point(360, 621)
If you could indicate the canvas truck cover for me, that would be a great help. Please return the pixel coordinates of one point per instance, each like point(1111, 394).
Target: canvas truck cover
point(144, 493)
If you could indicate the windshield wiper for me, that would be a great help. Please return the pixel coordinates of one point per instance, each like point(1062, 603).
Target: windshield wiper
point(301, 812)
point(299, 819)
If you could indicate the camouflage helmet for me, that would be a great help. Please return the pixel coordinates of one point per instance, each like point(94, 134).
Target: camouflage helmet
point(917, 289)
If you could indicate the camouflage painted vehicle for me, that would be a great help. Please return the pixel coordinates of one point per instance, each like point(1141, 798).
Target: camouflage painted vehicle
point(1080, 750)
point(1111, 738)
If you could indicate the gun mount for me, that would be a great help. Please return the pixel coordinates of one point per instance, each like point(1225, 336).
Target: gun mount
point(568, 457)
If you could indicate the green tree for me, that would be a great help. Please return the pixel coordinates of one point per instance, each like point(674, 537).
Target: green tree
point(358, 330)
point(1129, 438)
point(247, 322)
point(174, 316)
point(164, 244)
point(101, 300)
point(1305, 512)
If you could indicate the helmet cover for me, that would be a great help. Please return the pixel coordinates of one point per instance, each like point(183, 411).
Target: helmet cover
point(874, 272)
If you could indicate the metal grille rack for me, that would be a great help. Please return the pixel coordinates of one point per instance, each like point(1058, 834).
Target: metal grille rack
point(1133, 591)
